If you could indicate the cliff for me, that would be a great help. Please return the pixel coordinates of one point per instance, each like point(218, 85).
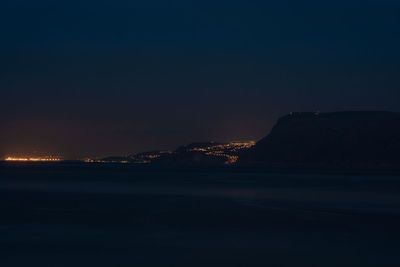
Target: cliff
point(341, 138)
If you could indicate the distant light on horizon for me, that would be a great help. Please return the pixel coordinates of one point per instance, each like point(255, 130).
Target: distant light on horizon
point(32, 159)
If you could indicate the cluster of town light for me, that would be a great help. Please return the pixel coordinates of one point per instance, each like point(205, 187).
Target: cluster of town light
point(220, 150)
point(32, 159)
point(226, 151)
point(88, 160)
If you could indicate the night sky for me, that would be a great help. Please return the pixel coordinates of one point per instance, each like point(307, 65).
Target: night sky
point(114, 77)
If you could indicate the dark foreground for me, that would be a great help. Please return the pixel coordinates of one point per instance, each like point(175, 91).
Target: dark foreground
point(121, 216)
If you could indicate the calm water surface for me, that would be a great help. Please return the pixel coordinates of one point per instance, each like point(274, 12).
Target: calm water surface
point(121, 216)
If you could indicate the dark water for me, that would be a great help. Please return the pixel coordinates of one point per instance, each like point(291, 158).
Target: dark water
point(121, 216)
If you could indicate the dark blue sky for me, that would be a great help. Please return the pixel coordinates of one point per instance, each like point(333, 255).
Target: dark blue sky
point(82, 78)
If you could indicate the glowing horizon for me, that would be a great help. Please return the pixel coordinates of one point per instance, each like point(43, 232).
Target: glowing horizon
point(35, 159)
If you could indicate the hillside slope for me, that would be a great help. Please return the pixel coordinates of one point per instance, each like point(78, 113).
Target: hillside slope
point(347, 138)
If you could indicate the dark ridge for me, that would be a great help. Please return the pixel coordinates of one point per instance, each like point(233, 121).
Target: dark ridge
point(353, 138)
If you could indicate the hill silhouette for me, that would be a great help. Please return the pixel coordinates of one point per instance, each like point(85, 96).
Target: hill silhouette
point(340, 138)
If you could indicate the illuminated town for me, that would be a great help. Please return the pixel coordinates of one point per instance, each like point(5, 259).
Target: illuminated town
point(33, 159)
point(208, 152)
point(227, 151)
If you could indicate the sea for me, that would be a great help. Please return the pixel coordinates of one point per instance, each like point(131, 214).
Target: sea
point(122, 215)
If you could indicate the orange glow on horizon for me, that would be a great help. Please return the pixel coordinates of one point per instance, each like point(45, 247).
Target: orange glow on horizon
point(31, 159)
